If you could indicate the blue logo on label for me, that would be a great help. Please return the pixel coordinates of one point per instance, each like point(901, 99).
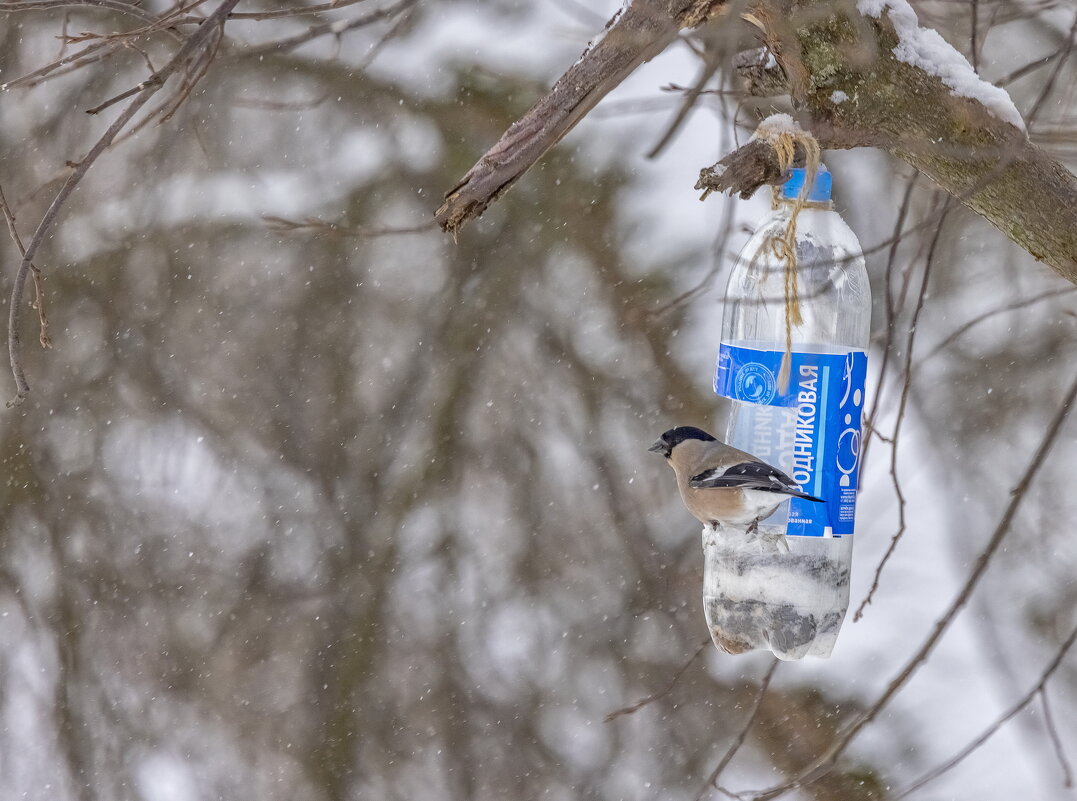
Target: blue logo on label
point(755, 383)
point(850, 406)
point(810, 431)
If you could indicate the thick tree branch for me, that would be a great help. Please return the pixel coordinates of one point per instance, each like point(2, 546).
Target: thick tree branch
point(635, 35)
point(984, 161)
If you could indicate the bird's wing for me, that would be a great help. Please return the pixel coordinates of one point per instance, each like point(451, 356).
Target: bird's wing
point(749, 475)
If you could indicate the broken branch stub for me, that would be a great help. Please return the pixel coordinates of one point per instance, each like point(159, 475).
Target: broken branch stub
point(746, 169)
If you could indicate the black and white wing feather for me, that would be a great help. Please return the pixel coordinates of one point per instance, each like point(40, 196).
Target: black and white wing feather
point(749, 475)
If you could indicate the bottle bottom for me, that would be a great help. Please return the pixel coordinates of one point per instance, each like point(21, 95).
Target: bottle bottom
point(767, 591)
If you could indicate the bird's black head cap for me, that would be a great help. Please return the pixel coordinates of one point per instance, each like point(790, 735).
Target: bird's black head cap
point(675, 436)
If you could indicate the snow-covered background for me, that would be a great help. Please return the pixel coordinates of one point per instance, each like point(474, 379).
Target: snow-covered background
point(309, 515)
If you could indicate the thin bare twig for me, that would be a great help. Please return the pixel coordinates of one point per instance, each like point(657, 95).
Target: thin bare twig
point(30, 79)
point(1053, 79)
point(1028, 68)
point(63, 34)
point(110, 5)
point(394, 30)
point(191, 78)
point(891, 313)
point(130, 45)
point(1038, 689)
point(190, 49)
point(153, 80)
point(314, 225)
point(1019, 304)
point(742, 735)
point(282, 105)
point(93, 53)
point(910, 343)
point(711, 64)
point(293, 12)
point(631, 709)
point(676, 87)
point(39, 291)
point(1052, 732)
point(825, 763)
point(974, 30)
point(327, 29)
point(718, 262)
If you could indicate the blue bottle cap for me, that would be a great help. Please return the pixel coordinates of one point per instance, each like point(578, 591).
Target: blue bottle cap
point(820, 189)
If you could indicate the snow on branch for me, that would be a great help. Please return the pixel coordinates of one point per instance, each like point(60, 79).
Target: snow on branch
point(925, 49)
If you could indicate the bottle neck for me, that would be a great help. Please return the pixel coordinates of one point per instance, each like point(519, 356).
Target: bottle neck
point(785, 205)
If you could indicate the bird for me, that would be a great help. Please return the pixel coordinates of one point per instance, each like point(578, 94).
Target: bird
point(722, 486)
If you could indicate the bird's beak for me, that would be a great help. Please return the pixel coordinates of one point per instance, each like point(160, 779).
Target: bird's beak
point(658, 447)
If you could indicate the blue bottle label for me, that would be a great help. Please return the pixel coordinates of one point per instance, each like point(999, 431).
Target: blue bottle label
point(813, 435)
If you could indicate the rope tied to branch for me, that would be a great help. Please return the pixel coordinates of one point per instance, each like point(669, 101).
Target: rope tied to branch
point(784, 135)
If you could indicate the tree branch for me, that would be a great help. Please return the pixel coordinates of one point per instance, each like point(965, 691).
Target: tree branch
point(633, 36)
point(1040, 688)
point(632, 709)
point(982, 160)
point(850, 90)
point(189, 51)
point(742, 735)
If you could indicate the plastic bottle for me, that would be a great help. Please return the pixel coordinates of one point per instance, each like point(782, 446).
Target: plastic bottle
point(786, 587)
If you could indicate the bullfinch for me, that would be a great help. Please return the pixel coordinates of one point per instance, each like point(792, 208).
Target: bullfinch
point(723, 486)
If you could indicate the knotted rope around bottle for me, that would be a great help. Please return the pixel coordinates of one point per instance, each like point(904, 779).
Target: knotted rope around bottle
point(784, 138)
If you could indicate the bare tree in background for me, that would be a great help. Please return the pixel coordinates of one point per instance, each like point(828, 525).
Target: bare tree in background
point(309, 500)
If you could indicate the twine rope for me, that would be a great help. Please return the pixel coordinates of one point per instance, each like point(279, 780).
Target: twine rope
point(784, 140)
